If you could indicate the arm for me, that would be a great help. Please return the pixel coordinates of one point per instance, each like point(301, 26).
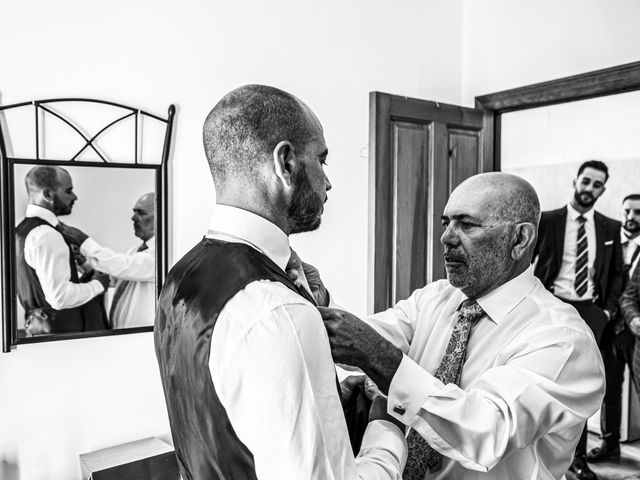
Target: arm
point(300, 414)
point(630, 302)
point(48, 254)
point(616, 277)
point(135, 266)
point(552, 382)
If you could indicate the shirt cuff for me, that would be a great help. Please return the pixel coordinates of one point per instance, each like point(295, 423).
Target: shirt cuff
point(89, 246)
point(409, 389)
point(384, 434)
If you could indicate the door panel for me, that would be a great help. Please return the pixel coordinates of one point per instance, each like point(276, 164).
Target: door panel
point(411, 142)
point(418, 152)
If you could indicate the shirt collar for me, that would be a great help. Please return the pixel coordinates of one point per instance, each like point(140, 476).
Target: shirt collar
point(573, 214)
point(151, 243)
point(624, 239)
point(500, 301)
point(260, 233)
point(43, 213)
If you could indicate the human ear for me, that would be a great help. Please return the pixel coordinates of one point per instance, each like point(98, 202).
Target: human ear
point(525, 239)
point(283, 158)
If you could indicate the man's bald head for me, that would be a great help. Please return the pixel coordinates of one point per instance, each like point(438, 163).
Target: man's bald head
point(144, 216)
point(491, 223)
point(246, 125)
point(50, 187)
point(507, 197)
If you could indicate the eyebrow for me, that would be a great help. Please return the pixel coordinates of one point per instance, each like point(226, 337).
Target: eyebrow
point(462, 216)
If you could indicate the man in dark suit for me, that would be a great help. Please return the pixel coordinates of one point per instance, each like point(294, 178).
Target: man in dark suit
point(617, 343)
point(579, 258)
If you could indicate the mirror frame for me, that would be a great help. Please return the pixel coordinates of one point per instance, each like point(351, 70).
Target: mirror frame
point(10, 338)
point(598, 83)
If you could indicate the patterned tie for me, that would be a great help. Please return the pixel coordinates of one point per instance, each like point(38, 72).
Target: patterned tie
point(121, 287)
point(581, 279)
point(421, 455)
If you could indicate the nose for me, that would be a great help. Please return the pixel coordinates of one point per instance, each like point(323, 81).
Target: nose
point(449, 237)
point(74, 197)
point(327, 183)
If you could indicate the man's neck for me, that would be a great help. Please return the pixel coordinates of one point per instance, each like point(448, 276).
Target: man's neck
point(579, 208)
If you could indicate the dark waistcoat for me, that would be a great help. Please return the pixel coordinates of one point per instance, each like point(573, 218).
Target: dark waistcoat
point(195, 291)
point(90, 316)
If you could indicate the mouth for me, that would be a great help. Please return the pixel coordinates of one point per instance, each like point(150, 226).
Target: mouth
point(453, 260)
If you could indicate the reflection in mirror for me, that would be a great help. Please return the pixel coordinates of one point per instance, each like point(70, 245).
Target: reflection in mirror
point(546, 145)
point(85, 248)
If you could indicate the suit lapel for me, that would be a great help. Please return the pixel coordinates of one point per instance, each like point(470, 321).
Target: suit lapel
point(560, 228)
point(600, 239)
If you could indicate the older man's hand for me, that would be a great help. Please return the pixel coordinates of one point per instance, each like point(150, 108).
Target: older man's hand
point(634, 326)
point(353, 342)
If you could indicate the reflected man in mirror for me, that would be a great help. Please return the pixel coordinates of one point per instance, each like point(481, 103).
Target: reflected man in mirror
point(134, 272)
point(244, 357)
point(48, 284)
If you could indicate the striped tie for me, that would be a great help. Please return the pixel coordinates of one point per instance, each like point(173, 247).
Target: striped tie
point(582, 259)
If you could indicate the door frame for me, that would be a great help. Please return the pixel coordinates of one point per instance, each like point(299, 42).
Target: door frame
point(598, 83)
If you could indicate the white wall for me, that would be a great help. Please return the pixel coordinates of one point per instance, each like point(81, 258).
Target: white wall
point(65, 398)
point(512, 43)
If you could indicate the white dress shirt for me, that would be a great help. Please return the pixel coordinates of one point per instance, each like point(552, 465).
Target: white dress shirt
point(629, 246)
point(47, 253)
point(136, 307)
point(533, 375)
point(563, 285)
point(273, 372)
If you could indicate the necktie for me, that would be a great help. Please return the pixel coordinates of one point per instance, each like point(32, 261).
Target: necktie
point(295, 272)
point(627, 266)
point(582, 259)
point(421, 455)
point(121, 287)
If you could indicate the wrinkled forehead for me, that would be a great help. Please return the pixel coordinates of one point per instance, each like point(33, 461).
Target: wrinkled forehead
point(476, 199)
point(631, 205)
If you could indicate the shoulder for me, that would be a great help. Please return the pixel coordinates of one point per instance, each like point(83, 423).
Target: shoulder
point(265, 298)
point(42, 236)
point(552, 214)
point(606, 221)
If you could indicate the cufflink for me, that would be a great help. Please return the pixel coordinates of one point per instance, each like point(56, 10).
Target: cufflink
point(399, 409)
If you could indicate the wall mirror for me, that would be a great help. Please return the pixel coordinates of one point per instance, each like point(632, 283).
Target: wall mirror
point(84, 218)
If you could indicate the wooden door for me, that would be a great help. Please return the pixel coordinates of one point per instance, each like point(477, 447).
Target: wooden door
point(419, 151)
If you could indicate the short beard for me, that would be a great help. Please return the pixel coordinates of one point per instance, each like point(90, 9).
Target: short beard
point(578, 198)
point(631, 226)
point(305, 209)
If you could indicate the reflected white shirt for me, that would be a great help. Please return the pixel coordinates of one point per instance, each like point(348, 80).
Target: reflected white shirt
point(563, 285)
point(136, 307)
point(273, 372)
point(48, 254)
point(532, 377)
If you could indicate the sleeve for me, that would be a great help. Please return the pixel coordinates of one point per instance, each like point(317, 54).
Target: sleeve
point(630, 299)
point(552, 380)
point(134, 266)
point(299, 414)
point(48, 254)
point(616, 272)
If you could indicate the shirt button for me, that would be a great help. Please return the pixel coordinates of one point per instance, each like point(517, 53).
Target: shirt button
point(399, 409)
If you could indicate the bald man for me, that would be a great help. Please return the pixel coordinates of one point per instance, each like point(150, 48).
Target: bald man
point(134, 272)
point(493, 374)
point(49, 289)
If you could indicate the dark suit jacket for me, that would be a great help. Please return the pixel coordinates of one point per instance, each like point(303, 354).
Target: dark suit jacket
point(608, 265)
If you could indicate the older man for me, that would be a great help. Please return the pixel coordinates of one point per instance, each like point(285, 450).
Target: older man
point(49, 288)
point(134, 298)
point(494, 375)
point(244, 357)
